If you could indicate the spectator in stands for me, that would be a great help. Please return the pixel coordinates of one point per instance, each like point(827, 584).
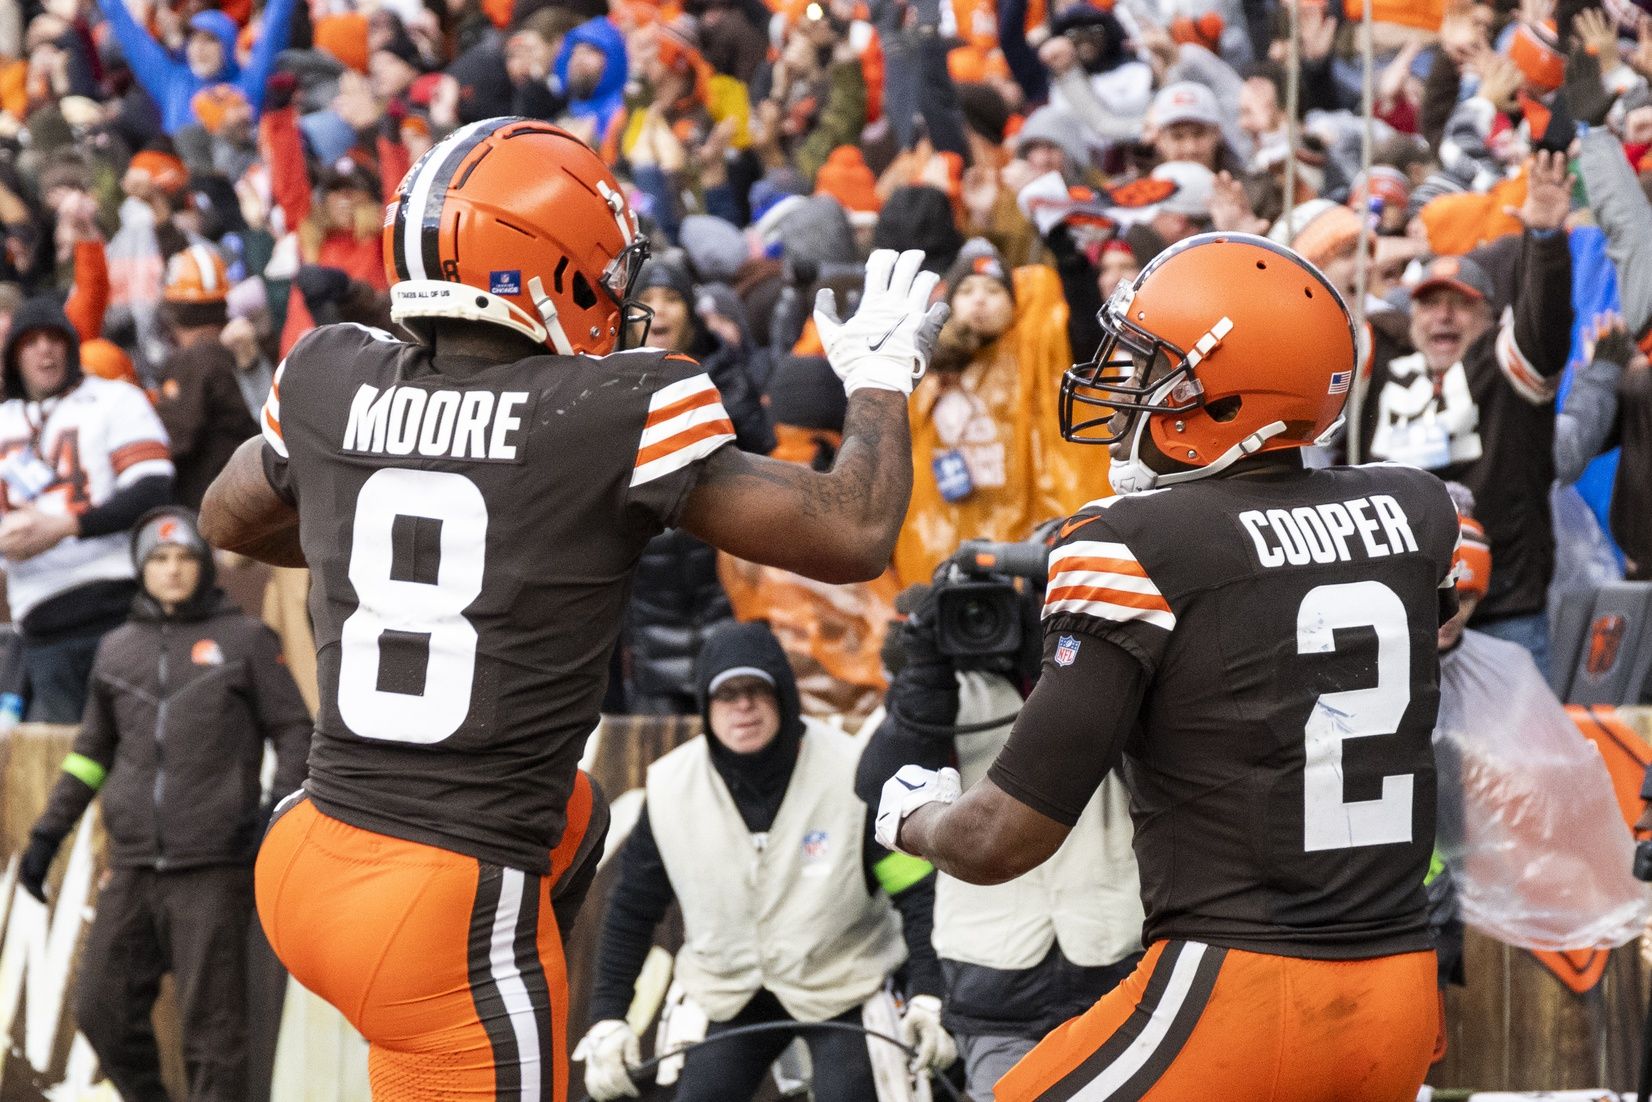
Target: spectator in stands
point(1475, 402)
point(193, 674)
point(209, 57)
point(1022, 957)
point(755, 830)
point(83, 459)
point(196, 390)
point(984, 418)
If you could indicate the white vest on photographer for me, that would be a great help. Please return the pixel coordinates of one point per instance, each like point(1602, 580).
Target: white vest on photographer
point(787, 910)
point(1087, 897)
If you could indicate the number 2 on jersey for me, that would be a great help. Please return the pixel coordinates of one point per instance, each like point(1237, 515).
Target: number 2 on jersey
point(1328, 821)
point(434, 609)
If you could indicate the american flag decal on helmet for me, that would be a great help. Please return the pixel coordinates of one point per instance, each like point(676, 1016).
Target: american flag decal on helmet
point(1340, 381)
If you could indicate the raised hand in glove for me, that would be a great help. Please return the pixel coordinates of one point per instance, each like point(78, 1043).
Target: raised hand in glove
point(908, 790)
point(886, 344)
point(921, 1029)
point(610, 1050)
point(36, 863)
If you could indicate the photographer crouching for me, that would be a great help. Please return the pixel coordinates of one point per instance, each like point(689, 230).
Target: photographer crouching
point(1017, 959)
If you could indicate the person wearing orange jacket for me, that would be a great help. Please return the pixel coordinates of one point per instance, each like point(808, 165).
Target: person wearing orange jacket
point(987, 457)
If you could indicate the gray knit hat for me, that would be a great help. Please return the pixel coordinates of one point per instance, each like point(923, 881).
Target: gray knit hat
point(164, 527)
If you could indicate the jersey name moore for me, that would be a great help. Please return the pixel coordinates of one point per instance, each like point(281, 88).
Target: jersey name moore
point(457, 424)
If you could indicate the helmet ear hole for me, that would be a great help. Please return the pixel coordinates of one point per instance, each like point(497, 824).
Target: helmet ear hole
point(585, 295)
point(1225, 409)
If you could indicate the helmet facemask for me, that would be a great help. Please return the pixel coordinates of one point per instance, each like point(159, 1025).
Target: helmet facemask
point(1109, 380)
point(619, 282)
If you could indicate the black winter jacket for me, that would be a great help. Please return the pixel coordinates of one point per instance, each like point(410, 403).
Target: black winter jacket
point(178, 712)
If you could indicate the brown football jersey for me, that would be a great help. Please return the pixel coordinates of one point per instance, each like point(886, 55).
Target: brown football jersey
point(471, 529)
point(1282, 775)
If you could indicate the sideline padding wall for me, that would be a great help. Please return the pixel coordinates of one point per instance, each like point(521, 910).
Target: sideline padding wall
point(1515, 1027)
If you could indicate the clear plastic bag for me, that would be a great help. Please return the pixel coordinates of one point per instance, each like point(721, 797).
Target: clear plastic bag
point(1529, 824)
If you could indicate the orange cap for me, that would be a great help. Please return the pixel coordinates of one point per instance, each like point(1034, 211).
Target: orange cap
point(1206, 30)
point(345, 37)
point(846, 178)
point(106, 360)
point(1537, 53)
point(167, 171)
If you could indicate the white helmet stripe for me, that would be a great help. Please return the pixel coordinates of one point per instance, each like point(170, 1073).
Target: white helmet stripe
point(429, 172)
point(208, 270)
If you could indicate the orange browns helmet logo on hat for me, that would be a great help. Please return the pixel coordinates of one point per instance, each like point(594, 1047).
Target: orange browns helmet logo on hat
point(196, 274)
point(1249, 349)
point(166, 531)
point(515, 222)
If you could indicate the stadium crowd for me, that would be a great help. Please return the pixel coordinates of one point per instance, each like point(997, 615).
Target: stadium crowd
point(189, 186)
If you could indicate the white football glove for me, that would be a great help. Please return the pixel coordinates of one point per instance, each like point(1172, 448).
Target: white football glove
point(608, 1047)
point(905, 792)
point(886, 344)
point(921, 1028)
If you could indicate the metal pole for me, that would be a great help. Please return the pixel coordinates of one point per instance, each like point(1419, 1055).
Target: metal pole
point(1293, 87)
point(1362, 258)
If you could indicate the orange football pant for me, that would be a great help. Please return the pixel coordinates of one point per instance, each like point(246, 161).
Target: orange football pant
point(1196, 1022)
point(450, 967)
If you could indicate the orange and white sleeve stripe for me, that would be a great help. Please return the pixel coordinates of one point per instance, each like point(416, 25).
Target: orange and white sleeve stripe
point(270, 419)
point(1519, 371)
point(127, 456)
point(1104, 580)
point(686, 422)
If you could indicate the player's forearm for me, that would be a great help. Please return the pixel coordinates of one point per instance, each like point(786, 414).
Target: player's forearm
point(242, 513)
point(966, 840)
point(872, 478)
point(835, 527)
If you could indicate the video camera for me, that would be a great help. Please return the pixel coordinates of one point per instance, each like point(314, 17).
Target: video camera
point(987, 600)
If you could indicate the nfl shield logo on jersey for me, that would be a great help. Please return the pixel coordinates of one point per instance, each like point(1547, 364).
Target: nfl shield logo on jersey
point(815, 845)
point(1066, 650)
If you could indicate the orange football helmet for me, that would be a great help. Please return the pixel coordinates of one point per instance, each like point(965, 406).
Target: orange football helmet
point(516, 222)
point(196, 275)
point(1257, 355)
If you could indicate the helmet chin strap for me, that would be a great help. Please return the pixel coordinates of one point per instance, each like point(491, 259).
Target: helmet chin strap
point(1133, 475)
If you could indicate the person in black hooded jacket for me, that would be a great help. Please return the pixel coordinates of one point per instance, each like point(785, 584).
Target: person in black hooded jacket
point(676, 597)
point(183, 699)
point(771, 781)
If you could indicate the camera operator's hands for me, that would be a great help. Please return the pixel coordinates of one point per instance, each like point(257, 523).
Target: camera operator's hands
point(886, 344)
point(908, 790)
point(611, 1049)
point(921, 1029)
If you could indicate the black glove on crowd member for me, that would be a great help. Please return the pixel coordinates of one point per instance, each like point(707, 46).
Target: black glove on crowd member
point(37, 862)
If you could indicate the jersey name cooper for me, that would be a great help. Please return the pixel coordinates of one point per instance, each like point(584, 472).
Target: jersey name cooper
point(1321, 533)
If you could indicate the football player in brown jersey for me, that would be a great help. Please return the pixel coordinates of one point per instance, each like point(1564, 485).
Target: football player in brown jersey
point(471, 506)
point(1252, 643)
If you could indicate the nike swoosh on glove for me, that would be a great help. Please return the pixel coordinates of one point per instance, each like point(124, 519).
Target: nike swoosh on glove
point(909, 789)
point(921, 1029)
point(608, 1047)
point(886, 345)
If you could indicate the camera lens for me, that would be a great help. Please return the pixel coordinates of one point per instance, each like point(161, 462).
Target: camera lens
point(980, 621)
